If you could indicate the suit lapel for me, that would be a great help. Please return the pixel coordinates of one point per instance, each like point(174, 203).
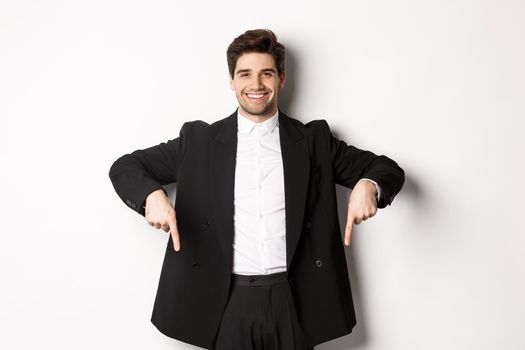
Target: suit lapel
point(223, 152)
point(296, 165)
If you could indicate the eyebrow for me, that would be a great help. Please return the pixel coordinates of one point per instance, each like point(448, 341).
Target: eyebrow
point(240, 71)
point(243, 71)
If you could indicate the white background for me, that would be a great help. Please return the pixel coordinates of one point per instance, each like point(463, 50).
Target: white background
point(436, 85)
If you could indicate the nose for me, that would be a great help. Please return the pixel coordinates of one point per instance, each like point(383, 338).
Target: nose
point(257, 82)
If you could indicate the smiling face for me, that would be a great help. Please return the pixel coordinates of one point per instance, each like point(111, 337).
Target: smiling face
point(256, 84)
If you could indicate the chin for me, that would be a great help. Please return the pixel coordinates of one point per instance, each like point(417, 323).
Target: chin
point(262, 110)
point(257, 112)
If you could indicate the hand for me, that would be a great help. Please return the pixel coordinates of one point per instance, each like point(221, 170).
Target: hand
point(361, 206)
point(161, 214)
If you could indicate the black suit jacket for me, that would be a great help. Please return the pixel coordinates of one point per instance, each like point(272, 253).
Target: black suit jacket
point(195, 282)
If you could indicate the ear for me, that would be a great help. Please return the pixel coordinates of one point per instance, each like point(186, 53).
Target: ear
point(283, 79)
point(230, 79)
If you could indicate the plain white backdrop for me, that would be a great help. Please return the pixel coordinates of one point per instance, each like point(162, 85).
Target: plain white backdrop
point(436, 85)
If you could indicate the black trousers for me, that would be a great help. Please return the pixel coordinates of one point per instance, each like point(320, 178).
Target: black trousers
point(260, 315)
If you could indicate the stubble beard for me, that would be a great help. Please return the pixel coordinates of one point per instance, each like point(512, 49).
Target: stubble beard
point(256, 111)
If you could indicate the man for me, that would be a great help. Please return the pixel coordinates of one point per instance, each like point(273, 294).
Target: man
point(254, 258)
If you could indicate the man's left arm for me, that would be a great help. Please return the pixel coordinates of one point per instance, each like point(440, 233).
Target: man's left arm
point(374, 179)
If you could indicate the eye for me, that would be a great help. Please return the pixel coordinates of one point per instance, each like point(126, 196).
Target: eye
point(244, 75)
point(268, 74)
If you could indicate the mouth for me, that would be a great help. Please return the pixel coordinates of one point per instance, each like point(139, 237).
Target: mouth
point(256, 96)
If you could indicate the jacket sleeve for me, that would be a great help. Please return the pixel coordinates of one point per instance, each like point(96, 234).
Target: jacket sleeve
point(350, 164)
point(136, 175)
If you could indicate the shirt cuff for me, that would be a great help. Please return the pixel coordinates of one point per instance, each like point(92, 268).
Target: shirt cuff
point(378, 188)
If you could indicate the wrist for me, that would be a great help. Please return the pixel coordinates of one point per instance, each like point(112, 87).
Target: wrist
point(154, 195)
point(370, 185)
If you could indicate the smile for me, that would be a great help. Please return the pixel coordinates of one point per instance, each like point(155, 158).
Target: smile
point(256, 96)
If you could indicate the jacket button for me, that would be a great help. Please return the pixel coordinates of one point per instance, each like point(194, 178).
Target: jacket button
point(196, 265)
point(318, 263)
point(308, 224)
point(206, 224)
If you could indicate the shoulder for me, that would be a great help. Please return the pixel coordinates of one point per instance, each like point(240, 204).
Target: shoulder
point(200, 125)
point(194, 128)
point(312, 127)
point(199, 130)
point(195, 125)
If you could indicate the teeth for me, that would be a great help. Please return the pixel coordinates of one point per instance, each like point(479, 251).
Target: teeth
point(255, 96)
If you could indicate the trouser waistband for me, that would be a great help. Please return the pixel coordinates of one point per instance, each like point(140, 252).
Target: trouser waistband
point(259, 280)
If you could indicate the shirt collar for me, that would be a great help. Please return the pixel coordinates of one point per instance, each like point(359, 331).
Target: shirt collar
point(246, 125)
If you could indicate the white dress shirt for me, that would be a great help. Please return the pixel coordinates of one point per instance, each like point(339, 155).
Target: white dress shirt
point(259, 245)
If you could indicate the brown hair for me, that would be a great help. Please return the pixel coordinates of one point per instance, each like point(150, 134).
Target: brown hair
point(256, 40)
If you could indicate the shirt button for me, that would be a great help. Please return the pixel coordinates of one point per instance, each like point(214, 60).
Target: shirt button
point(318, 263)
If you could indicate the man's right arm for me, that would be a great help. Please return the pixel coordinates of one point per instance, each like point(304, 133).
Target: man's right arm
point(138, 178)
point(138, 174)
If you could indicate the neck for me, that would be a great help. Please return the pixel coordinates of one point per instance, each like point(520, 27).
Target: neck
point(257, 118)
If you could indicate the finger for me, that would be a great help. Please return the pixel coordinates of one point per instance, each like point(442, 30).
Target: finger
point(174, 233)
point(157, 225)
point(165, 228)
point(348, 233)
point(349, 226)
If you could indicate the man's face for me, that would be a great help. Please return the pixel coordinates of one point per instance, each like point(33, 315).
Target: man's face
point(256, 84)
